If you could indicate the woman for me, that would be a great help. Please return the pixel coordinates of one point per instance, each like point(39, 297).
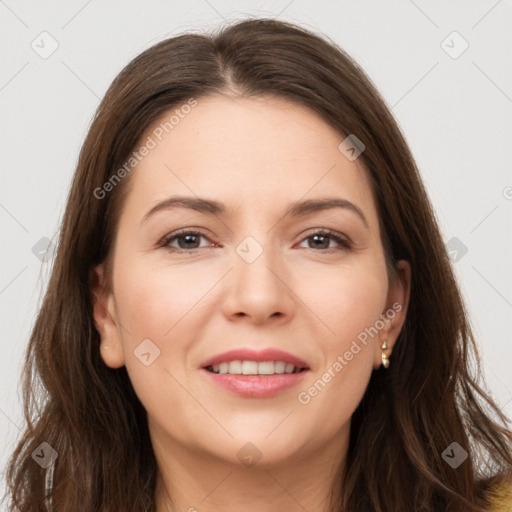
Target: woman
point(251, 304)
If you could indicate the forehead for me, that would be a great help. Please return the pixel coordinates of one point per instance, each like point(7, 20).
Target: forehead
point(259, 152)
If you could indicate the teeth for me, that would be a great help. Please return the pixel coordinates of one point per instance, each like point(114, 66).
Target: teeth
point(254, 368)
point(266, 368)
point(249, 367)
point(279, 367)
point(234, 367)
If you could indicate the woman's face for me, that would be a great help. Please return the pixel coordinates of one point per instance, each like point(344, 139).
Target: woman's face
point(254, 276)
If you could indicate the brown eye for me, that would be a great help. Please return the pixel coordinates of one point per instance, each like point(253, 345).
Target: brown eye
point(321, 240)
point(186, 241)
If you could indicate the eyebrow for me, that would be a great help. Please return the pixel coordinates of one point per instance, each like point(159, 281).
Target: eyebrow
point(296, 209)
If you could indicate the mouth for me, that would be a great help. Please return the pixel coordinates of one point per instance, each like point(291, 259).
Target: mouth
point(247, 367)
point(253, 374)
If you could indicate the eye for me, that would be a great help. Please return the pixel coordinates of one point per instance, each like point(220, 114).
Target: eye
point(323, 237)
point(187, 240)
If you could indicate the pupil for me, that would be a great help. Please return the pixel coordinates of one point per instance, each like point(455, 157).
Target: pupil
point(316, 237)
point(187, 238)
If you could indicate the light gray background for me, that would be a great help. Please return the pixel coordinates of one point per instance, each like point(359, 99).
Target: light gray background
point(454, 112)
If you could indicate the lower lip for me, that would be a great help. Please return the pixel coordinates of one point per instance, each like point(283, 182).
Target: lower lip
point(256, 386)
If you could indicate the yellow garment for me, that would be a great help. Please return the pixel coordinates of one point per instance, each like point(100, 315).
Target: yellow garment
point(501, 497)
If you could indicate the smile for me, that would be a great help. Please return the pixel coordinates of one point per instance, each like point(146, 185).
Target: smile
point(238, 367)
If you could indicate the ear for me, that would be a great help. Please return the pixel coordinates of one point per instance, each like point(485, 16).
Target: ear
point(105, 319)
point(395, 312)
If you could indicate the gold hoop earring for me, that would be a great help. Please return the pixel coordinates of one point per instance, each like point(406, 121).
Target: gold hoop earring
point(385, 359)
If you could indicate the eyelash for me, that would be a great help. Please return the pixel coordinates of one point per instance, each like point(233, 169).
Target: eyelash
point(333, 235)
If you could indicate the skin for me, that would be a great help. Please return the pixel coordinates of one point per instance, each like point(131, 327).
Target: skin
point(256, 156)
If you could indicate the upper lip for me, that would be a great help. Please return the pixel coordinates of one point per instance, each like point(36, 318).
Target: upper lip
point(243, 354)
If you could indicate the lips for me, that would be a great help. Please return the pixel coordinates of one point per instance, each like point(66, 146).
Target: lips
point(255, 374)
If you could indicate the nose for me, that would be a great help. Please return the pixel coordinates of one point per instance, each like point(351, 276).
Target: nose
point(259, 291)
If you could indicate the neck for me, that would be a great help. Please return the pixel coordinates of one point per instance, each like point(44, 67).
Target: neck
point(195, 481)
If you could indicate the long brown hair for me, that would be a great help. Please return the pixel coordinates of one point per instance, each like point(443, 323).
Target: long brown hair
point(429, 398)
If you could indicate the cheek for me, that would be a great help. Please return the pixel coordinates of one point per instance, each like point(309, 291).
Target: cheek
point(153, 299)
point(154, 303)
point(348, 300)
point(157, 304)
